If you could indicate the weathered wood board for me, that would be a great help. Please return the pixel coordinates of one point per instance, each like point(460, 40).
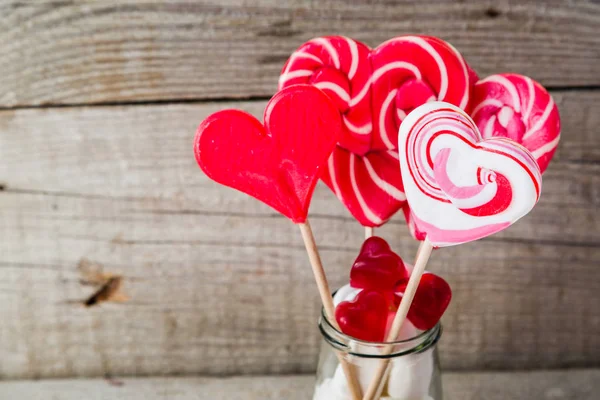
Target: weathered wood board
point(64, 52)
point(538, 385)
point(220, 284)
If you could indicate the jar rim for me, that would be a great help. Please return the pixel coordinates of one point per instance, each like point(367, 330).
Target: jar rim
point(422, 342)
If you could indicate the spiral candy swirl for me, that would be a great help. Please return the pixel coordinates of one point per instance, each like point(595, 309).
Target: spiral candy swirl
point(517, 107)
point(461, 187)
point(340, 67)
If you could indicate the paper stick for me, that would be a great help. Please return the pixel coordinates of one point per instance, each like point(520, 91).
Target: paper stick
point(368, 232)
point(327, 300)
point(400, 317)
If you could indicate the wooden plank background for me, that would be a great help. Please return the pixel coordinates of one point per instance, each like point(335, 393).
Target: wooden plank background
point(220, 284)
point(57, 52)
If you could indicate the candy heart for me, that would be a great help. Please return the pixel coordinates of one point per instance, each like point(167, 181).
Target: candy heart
point(460, 187)
point(278, 163)
point(377, 267)
point(374, 90)
point(431, 300)
point(519, 108)
point(365, 318)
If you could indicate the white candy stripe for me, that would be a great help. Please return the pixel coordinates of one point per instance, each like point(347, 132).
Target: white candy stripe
point(361, 201)
point(488, 130)
point(382, 113)
point(485, 103)
point(512, 90)
point(361, 130)
point(504, 116)
point(361, 94)
point(400, 114)
point(465, 100)
point(530, 98)
point(332, 177)
point(337, 89)
point(438, 59)
point(546, 148)
point(541, 121)
point(394, 154)
point(383, 185)
point(300, 54)
point(330, 49)
point(293, 75)
point(354, 54)
point(396, 65)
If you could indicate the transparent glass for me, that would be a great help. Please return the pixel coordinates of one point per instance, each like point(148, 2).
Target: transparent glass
point(413, 372)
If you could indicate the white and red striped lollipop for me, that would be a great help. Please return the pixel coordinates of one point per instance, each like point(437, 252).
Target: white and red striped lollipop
point(340, 67)
point(461, 187)
point(374, 91)
point(409, 71)
point(519, 108)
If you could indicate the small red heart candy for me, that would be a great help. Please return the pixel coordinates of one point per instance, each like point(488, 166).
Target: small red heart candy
point(431, 301)
point(278, 163)
point(377, 267)
point(365, 317)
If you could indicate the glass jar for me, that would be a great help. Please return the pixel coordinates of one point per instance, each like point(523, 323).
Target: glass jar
point(414, 369)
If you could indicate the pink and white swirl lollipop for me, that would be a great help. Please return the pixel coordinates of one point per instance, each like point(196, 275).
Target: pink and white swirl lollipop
point(519, 108)
point(459, 186)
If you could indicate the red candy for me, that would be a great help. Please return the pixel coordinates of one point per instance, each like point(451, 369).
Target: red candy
point(278, 163)
point(431, 300)
point(365, 317)
point(374, 90)
point(382, 276)
point(377, 267)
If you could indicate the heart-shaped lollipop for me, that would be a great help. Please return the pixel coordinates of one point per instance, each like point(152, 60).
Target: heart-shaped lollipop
point(374, 91)
point(460, 187)
point(278, 163)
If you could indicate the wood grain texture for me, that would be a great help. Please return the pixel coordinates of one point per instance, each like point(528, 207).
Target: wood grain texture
point(220, 284)
point(63, 52)
point(536, 385)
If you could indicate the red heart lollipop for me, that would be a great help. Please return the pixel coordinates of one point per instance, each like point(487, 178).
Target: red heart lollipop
point(431, 300)
point(377, 267)
point(365, 317)
point(278, 163)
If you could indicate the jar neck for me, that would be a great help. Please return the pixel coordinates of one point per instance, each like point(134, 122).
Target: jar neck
point(360, 348)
